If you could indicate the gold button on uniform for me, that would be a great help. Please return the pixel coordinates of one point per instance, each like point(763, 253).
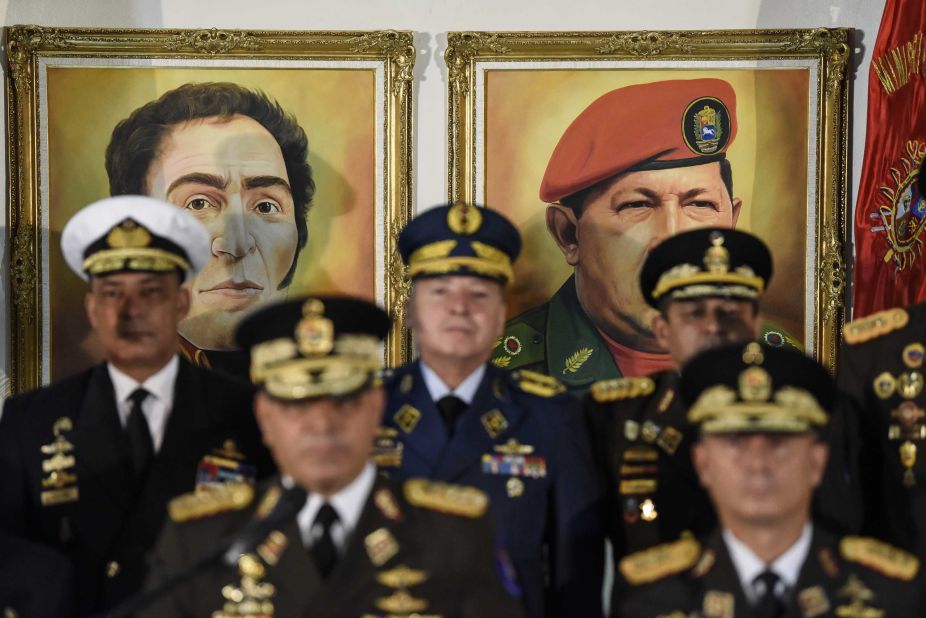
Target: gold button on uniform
point(112, 569)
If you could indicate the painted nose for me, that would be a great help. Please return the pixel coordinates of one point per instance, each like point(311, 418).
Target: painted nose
point(234, 240)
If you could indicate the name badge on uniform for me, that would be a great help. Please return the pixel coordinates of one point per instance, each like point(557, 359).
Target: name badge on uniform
point(60, 486)
point(514, 465)
point(224, 465)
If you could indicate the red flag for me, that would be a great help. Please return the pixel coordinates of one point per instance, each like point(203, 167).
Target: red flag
point(890, 214)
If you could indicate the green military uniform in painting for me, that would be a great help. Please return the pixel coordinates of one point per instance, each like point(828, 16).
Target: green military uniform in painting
point(419, 549)
point(851, 577)
point(881, 371)
point(558, 339)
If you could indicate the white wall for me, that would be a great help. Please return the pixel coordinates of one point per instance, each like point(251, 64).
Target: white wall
point(432, 19)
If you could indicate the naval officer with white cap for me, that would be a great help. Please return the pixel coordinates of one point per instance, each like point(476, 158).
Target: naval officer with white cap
point(89, 463)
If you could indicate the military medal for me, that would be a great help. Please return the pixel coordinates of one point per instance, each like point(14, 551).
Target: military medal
point(913, 355)
point(669, 440)
point(401, 601)
point(407, 418)
point(60, 486)
point(884, 385)
point(648, 510)
point(813, 602)
point(252, 597)
point(650, 431)
point(910, 384)
point(718, 604)
point(515, 487)
point(631, 430)
point(908, 459)
point(381, 546)
point(494, 422)
point(859, 595)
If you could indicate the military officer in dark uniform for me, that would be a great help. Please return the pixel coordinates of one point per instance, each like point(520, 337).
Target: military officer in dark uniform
point(89, 463)
point(453, 416)
point(762, 413)
point(706, 285)
point(881, 371)
point(360, 544)
point(612, 195)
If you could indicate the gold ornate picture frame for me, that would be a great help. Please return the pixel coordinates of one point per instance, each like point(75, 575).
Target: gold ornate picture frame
point(512, 95)
point(68, 88)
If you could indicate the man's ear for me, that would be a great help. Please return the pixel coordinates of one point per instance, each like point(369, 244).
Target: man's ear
point(660, 328)
point(89, 306)
point(737, 205)
point(699, 460)
point(564, 228)
point(818, 456)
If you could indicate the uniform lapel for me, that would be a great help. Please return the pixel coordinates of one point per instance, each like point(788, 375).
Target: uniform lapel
point(723, 583)
point(818, 582)
point(489, 420)
point(100, 444)
point(295, 576)
point(427, 435)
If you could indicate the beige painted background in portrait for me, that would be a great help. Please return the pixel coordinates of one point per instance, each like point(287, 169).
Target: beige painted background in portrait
point(336, 107)
point(526, 112)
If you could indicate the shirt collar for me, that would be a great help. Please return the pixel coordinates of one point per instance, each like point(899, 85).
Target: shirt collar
point(466, 391)
point(749, 566)
point(160, 385)
point(348, 503)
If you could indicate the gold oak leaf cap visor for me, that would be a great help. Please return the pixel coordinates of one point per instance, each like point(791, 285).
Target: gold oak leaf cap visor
point(134, 233)
point(752, 388)
point(706, 262)
point(460, 239)
point(318, 346)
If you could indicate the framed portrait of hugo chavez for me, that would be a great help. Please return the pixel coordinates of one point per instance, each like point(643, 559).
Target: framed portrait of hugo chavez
point(600, 144)
point(183, 115)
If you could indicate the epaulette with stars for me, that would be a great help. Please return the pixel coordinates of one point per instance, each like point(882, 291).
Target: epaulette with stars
point(655, 563)
point(446, 497)
point(538, 384)
point(617, 389)
point(879, 556)
point(875, 325)
point(215, 500)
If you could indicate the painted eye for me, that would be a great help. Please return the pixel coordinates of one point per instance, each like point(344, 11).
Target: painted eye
point(198, 203)
point(267, 207)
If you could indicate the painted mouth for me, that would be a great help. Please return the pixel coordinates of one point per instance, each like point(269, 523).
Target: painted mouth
point(235, 289)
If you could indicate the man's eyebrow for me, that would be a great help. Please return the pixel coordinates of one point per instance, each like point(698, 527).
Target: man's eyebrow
point(258, 182)
point(200, 178)
point(690, 193)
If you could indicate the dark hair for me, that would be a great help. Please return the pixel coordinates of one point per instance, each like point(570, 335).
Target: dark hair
point(136, 140)
point(576, 201)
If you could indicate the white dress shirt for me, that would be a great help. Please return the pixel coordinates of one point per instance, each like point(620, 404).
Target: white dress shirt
point(347, 503)
point(787, 566)
point(466, 391)
point(156, 406)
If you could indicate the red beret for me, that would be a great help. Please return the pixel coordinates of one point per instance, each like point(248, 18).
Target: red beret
point(672, 123)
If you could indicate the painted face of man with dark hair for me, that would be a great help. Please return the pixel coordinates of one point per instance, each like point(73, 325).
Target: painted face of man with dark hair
point(230, 174)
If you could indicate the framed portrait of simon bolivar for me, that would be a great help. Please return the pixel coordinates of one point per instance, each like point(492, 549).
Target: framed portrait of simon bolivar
point(203, 119)
point(600, 144)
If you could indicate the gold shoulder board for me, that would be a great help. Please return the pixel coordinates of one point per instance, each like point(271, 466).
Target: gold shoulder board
point(212, 501)
point(538, 384)
point(617, 389)
point(879, 556)
point(660, 561)
point(874, 325)
point(446, 498)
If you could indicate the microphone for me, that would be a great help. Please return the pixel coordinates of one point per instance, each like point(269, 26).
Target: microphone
point(226, 554)
point(291, 502)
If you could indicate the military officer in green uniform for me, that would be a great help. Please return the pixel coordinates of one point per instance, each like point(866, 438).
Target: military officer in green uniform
point(639, 164)
point(706, 284)
point(762, 413)
point(362, 544)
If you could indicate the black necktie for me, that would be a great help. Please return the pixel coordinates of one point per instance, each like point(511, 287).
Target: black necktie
point(139, 435)
point(770, 606)
point(451, 408)
point(323, 549)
